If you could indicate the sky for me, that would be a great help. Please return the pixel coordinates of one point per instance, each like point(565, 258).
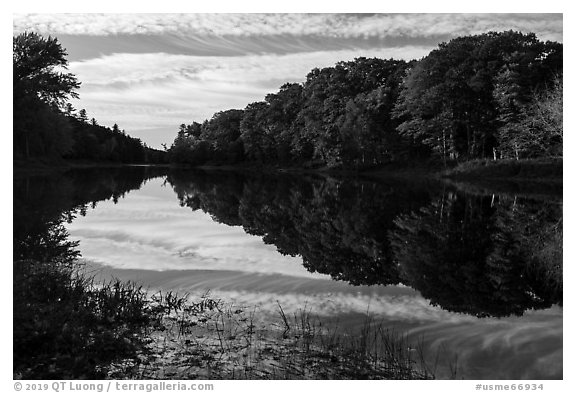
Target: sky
point(149, 73)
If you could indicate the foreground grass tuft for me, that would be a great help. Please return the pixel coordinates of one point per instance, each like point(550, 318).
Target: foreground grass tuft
point(210, 340)
point(67, 326)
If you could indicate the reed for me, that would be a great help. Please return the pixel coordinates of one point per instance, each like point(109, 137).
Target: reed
point(69, 326)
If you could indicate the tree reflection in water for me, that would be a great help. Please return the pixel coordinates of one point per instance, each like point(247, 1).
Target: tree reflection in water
point(484, 255)
point(476, 254)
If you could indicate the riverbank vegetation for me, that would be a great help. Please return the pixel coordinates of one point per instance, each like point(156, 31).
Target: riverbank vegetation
point(77, 328)
point(209, 339)
point(490, 96)
point(539, 169)
point(46, 126)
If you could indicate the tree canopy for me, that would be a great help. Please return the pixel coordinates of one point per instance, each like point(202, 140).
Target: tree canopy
point(37, 62)
point(478, 96)
point(457, 98)
point(46, 125)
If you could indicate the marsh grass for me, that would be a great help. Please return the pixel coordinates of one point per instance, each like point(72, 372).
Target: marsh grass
point(212, 340)
point(68, 326)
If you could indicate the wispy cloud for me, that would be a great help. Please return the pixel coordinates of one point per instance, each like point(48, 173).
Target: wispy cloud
point(151, 72)
point(127, 69)
point(160, 91)
point(330, 25)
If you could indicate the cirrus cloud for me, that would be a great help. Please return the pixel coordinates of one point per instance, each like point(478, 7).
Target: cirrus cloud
point(159, 91)
point(329, 25)
point(151, 72)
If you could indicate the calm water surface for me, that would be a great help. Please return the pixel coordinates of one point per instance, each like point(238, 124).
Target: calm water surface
point(462, 272)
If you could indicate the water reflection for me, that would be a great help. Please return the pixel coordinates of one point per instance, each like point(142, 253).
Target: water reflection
point(338, 227)
point(479, 256)
point(340, 245)
point(473, 254)
point(483, 255)
point(42, 202)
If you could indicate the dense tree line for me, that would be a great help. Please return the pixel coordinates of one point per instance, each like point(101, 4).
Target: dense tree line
point(478, 254)
point(496, 95)
point(91, 141)
point(45, 123)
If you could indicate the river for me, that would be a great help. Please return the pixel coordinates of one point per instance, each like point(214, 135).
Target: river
point(467, 274)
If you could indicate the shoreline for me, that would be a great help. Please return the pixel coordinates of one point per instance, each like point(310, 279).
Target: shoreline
point(539, 170)
point(536, 170)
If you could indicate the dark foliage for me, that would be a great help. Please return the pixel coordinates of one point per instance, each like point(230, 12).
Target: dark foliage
point(460, 98)
point(45, 125)
point(94, 142)
point(496, 95)
point(66, 326)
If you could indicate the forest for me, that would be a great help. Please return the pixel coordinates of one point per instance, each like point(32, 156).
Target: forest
point(46, 125)
point(496, 95)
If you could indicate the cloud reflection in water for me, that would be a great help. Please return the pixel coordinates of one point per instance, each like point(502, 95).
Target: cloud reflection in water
point(147, 237)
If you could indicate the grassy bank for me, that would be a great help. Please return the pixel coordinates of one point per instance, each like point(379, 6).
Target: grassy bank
point(528, 171)
point(66, 325)
point(534, 170)
point(535, 178)
point(542, 170)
